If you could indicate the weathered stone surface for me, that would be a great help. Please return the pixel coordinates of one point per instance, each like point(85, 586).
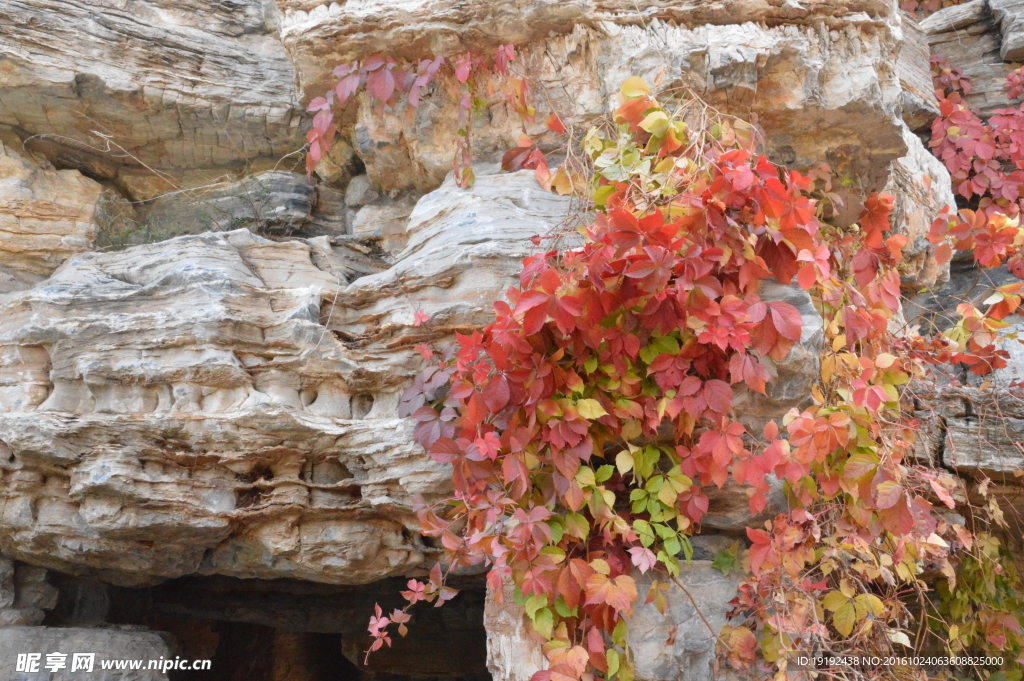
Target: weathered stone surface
point(680, 645)
point(320, 34)
point(676, 646)
point(1010, 15)
point(918, 102)
point(796, 374)
point(513, 653)
point(46, 215)
point(171, 84)
point(970, 36)
point(922, 187)
point(275, 202)
point(107, 644)
point(181, 407)
point(819, 94)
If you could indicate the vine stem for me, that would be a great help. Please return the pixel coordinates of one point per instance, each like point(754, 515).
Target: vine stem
point(696, 608)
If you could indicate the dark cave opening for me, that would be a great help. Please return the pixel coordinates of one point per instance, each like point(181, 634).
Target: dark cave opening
point(286, 630)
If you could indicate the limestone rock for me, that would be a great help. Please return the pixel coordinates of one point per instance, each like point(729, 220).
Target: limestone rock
point(221, 403)
point(796, 374)
point(319, 34)
point(676, 646)
point(1010, 15)
point(6, 582)
point(819, 94)
point(25, 594)
point(106, 644)
point(271, 203)
point(46, 215)
point(971, 37)
point(513, 654)
point(918, 102)
point(680, 645)
point(168, 84)
point(922, 187)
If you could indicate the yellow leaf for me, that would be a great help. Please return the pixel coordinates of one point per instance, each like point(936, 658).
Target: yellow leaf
point(624, 462)
point(834, 600)
point(902, 638)
point(885, 360)
point(655, 123)
point(590, 409)
point(634, 86)
point(839, 342)
point(872, 604)
point(600, 565)
point(844, 619)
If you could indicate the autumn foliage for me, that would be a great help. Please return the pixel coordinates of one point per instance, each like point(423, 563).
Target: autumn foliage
point(585, 424)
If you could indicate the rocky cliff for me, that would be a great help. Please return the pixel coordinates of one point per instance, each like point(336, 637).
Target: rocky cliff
point(202, 350)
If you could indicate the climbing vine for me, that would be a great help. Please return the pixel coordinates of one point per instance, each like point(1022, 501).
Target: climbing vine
point(390, 84)
point(585, 423)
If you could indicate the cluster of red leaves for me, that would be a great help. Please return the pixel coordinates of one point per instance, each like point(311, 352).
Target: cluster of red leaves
point(986, 162)
point(554, 417)
point(387, 82)
point(984, 159)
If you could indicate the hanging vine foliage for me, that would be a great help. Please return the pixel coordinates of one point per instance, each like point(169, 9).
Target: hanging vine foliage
point(585, 423)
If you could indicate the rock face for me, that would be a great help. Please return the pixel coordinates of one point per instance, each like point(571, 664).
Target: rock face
point(46, 215)
point(922, 187)
point(237, 397)
point(105, 644)
point(122, 88)
point(984, 39)
point(676, 646)
point(202, 350)
point(821, 94)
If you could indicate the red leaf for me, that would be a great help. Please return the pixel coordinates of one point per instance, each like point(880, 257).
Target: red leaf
point(381, 83)
point(554, 124)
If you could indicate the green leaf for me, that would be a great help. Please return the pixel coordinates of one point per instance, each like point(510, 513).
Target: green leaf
point(544, 623)
point(585, 476)
point(726, 560)
point(605, 472)
point(557, 530)
point(687, 548)
point(562, 608)
point(533, 604)
point(590, 366)
point(644, 531)
point(590, 409)
point(612, 656)
point(844, 618)
point(672, 546)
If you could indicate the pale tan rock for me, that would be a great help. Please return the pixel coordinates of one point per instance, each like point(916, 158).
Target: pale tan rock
point(922, 187)
point(46, 215)
point(106, 644)
point(818, 94)
point(193, 413)
point(320, 34)
point(676, 646)
point(514, 652)
point(167, 84)
point(919, 103)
